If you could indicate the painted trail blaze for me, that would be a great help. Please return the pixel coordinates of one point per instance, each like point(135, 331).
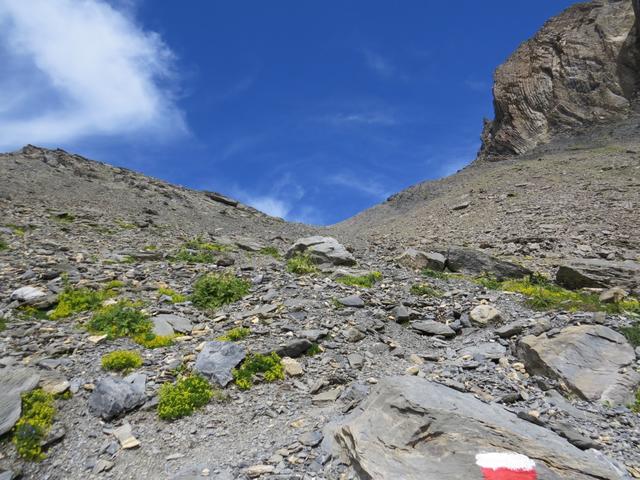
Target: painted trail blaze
point(506, 466)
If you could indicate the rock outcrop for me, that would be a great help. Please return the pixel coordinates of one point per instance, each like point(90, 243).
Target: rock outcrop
point(411, 428)
point(593, 362)
point(579, 69)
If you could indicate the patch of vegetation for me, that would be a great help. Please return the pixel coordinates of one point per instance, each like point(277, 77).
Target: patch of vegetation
point(128, 259)
point(75, 300)
point(366, 281)
point(193, 256)
point(217, 289)
point(64, 217)
point(121, 319)
point(199, 244)
point(3, 245)
point(268, 366)
point(301, 264)
point(488, 282)
point(17, 229)
point(336, 304)
point(427, 272)
point(150, 248)
point(151, 340)
point(121, 361)
point(29, 311)
point(38, 410)
point(632, 334)
point(235, 334)
point(424, 290)
point(271, 251)
point(126, 225)
point(175, 296)
point(183, 397)
point(313, 350)
point(542, 294)
point(3, 324)
point(636, 405)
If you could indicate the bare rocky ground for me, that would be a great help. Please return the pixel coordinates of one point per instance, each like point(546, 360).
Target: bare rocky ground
point(93, 223)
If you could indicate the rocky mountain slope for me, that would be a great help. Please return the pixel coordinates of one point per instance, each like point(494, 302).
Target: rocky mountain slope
point(580, 69)
point(152, 331)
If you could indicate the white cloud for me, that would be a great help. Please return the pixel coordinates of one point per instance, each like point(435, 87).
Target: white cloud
point(363, 185)
point(362, 118)
point(378, 63)
point(269, 205)
point(74, 69)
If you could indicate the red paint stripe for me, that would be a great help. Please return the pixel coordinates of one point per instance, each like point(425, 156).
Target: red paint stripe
point(506, 474)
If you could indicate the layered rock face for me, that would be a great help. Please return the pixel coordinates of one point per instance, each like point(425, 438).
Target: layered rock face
point(581, 68)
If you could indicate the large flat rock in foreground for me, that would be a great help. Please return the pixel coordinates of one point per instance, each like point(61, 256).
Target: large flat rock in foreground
point(593, 361)
point(413, 429)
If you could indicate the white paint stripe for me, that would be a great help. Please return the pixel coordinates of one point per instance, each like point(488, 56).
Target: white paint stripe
point(508, 460)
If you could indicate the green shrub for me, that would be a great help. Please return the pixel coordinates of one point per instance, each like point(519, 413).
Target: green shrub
point(3, 245)
point(121, 360)
point(632, 334)
point(75, 300)
point(427, 272)
point(488, 282)
point(151, 340)
point(235, 334)
point(38, 411)
point(64, 218)
point(191, 256)
point(301, 264)
point(121, 319)
point(269, 366)
point(175, 296)
point(183, 397)
point(636, 405)
point(366, 281)
point(198, 244)
point(217, 289)
point(313, 350)
point(271, 251)
point(424, 290)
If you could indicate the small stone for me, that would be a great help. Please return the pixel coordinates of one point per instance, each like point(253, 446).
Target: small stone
point(613, 295)
point(256, 471)
point(102, 466)
point(311, 439)
point(353, 301)
point(353, 335)
point(97, 338)
point(484, 314)
point(125, 437)
point(412, 370)
point(292, 367)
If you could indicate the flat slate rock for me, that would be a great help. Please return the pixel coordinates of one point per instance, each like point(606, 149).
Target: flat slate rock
point(353, 301)
point(168, 324)
point(431, 327)
point(413, 429)
point(14, 382)
point(598, 273)
point(217, 359)
point(475, 262)
point(589, 359)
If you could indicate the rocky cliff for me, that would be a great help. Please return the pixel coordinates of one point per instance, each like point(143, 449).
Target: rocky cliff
point(580, 69)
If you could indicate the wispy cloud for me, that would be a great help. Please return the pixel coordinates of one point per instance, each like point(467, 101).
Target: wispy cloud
point(78, 69)
point(378, 63)
point(362, 185)
point(361, 118)
point(477, 85)
point(269, 205)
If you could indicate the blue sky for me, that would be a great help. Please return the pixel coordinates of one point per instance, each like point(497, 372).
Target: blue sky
point(310, 110)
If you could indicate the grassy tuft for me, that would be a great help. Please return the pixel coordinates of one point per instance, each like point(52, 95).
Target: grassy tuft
point(198, 244)
point(121, 361)
point(151, 340)
point(314, 350)
point(75, 300)
point(235, 334)
point(175, 296)
point(121, 319)
point(488, 282)
point(269, 366)
point(183, 397)
point(271, 251)
point(427, 272)
point(424, 290)
point(636, 405)
point(64, 218)
point(33, 426)
point(3, 245)
point(632, 334)
point(366, 281)
point(217, 289)
point(301, 264)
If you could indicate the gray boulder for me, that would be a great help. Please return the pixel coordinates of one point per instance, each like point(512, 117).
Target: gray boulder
point(168, 324)
point(418, 260)
point(475, 262)
point(13, 383)
point(593, 361)
point(217, 359)
point(598, 273)
point(322, 250)
point(413, 429)
point(114, 396)
point(431, 327)
point(353, 301)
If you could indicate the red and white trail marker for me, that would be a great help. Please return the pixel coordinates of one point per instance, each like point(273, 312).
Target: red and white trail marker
point(506, 466)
